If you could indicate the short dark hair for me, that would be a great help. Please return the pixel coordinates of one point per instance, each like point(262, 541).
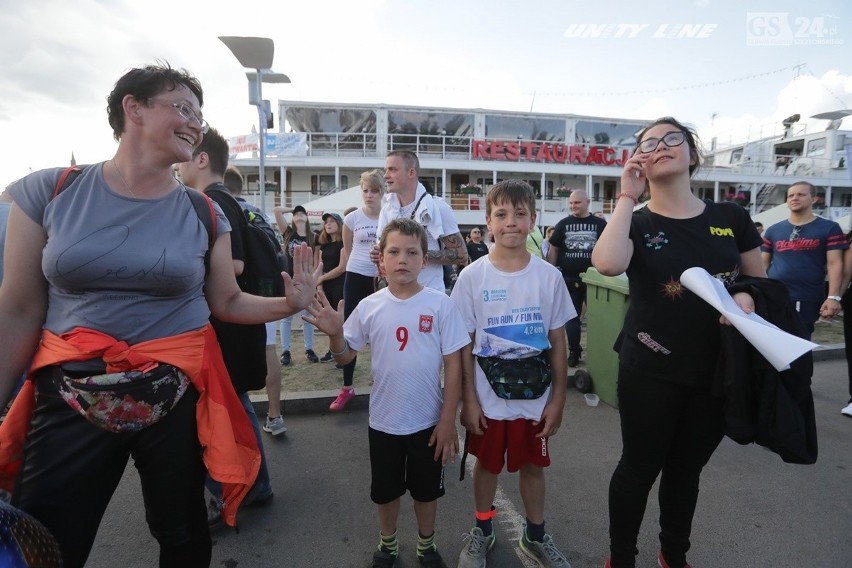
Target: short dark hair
point(690, 135)
point(407, 227)
point(233, 180)
point(410, 158)
point(515, 191)
point(811, 187)
point(216, 147)
point(144, 83)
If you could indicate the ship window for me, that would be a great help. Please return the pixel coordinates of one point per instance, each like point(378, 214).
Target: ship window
point(816, 147)
point(324, 184)
point(524, 128)
point(606, 133)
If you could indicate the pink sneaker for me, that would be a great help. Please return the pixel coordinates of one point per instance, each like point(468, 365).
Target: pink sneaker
point(346, 394)
point(661, 560)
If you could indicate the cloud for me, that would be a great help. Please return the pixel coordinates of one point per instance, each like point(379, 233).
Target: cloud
point(59, 62)
point(805, 95)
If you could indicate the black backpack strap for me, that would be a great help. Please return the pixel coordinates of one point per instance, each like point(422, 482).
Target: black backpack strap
point(464, 455)
point(66, 178)
point(220, 189)
point(203, 206)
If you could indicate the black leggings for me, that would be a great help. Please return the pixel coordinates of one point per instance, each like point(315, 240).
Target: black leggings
point(72, 468)
point(356, 287)
point(846, 304)
point(573, 327)
point(666, 427)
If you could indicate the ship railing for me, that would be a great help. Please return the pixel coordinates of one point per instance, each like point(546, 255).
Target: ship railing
point(785, 165)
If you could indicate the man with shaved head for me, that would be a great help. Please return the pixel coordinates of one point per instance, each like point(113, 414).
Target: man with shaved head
point(570, 251)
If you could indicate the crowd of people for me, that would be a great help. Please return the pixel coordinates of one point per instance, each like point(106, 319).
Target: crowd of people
point(149, 302)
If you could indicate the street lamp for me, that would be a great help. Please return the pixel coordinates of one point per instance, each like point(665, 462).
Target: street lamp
point(257, 53)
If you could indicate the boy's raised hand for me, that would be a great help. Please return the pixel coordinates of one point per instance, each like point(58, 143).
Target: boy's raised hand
point(325, 317)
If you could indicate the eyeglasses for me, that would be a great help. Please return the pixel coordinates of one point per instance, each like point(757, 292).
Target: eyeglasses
point(794, 234)
point(671, 139)
point(475, 233)
point(185, 111)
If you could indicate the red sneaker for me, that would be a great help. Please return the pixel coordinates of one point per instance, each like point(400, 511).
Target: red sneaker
point(346, 394)
point(661, 560)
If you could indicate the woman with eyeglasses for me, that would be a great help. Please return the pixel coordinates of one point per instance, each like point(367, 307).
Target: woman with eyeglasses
point(108, 288)
point(670, 422)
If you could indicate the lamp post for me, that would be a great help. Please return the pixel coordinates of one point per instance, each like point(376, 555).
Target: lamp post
point(257, 53)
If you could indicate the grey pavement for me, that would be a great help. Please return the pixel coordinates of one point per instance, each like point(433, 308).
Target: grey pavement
point(753, 511)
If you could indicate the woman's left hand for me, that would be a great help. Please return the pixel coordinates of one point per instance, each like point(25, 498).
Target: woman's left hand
point(300, 289)
point(744, 301)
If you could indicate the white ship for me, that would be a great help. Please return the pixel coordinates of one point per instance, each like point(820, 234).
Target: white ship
point(323, 148)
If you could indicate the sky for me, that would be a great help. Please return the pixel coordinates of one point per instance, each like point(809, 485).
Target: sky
point(732, 69)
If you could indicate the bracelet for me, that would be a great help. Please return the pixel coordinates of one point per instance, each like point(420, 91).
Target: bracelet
point(623, 194)
point(835, 298)
point(342, 351)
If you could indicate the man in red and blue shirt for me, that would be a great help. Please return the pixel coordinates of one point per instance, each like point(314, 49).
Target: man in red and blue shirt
point(801, 250)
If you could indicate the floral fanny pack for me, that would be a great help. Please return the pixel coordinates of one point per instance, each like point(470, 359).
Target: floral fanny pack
point(517, 379)
point(124, 402)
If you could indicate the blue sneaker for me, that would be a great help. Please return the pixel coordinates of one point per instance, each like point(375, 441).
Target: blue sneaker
point(274, 426)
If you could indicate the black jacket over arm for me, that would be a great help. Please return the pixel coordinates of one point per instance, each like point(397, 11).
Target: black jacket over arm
point(774, 409)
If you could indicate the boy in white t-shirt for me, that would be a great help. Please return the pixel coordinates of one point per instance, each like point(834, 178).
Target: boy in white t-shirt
point(514, 374)
point(412, 331)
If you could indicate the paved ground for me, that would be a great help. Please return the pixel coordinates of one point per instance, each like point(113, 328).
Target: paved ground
point(754, 510)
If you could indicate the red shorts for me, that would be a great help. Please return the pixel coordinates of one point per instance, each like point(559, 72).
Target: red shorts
point(515, 439)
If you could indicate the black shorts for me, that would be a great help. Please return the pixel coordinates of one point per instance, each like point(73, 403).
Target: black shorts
point(400, 463)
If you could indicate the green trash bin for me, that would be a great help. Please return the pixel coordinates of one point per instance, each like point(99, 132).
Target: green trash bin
point(607, 298)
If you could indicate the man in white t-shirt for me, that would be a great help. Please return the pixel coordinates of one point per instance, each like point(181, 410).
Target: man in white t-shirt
point(407, 198)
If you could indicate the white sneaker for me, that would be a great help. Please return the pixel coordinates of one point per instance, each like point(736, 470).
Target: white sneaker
point(847, 410)
point(544, 553)
point(274, 426)
point(473, 554)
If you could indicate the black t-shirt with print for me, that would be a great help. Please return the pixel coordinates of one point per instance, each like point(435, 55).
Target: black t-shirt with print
point(476, 250)
point(291, 240)
point(576, 237)
point(669, 332)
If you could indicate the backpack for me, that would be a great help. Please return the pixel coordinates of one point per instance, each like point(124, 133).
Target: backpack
point(202, 204)
point(262, 272)
point(258, 220)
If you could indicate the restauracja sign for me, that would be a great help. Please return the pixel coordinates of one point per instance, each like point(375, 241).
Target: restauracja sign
point(504, 150)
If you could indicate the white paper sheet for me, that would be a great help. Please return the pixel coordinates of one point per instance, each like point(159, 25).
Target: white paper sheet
point(779, 347)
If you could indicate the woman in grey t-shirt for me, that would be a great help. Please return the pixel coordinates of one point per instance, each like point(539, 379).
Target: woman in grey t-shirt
point(107, 282)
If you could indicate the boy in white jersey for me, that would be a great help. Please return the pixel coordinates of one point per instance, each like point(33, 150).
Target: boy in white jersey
point(514, 374)
point(412, 331)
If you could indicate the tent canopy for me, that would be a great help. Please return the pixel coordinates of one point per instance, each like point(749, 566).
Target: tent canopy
point(336, 202)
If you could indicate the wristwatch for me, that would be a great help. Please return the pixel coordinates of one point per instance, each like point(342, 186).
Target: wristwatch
point(835, 298)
